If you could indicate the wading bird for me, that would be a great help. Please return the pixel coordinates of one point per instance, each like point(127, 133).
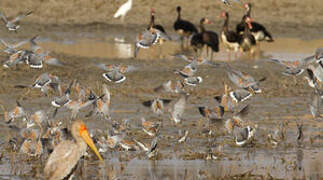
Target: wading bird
point(67, 153)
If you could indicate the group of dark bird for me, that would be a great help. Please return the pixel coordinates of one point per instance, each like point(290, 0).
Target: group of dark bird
point(248, 33)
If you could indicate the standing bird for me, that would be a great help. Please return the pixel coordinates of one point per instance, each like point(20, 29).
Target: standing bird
point(12, 24)
point(102, 104)
point(152, 22)
point(230, 39)
point(258, 31)
point(149, 127)
point(67, 153)
point(123, 10)
point(246, 40)
point(226, 100)
point(244, 136)
point(208, 38)
point(184, 28)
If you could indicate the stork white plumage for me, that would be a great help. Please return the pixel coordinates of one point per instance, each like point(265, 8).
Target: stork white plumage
point(123, 10)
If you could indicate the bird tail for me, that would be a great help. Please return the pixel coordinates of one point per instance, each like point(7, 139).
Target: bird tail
point(268, 37)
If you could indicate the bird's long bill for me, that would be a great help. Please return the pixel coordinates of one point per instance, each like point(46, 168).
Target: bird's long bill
point(89, 141)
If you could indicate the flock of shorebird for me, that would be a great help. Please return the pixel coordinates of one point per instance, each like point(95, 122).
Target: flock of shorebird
point(43, 133)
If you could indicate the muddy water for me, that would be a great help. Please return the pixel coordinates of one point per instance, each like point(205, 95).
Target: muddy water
point(282, 100)
point(120, 48)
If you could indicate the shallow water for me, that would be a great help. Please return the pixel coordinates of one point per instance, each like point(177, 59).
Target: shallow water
point(282, 100)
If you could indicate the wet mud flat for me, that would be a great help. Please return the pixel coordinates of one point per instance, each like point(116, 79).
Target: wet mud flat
point(281, 101)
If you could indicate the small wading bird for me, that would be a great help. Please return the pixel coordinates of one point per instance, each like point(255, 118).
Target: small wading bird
point(17, 112)
point(243, 80)
point(244, 136)
point(156, 105)
point(13, 24)
point(115, 72)
point(67, 153)
point(227, 2)
point(101, 106)
point(44, 82)
point(178, 109)
point(236, 120)
point(294, 67)
point(148, 38)
point(171, 86)
point(123, 10)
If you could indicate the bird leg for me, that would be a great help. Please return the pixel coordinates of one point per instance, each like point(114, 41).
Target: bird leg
point(182, 42)
point(122, 19)
point(187, 42)
point(159, 52)
point(295, 80)
point(235, 55)
point(229, 55)
point(211, 55)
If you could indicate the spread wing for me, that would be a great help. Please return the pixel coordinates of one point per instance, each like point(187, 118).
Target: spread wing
point(18, 18)
point(179, 107)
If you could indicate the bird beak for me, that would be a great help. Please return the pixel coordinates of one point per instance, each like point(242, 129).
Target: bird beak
point(86, 137)
point(250, 26)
